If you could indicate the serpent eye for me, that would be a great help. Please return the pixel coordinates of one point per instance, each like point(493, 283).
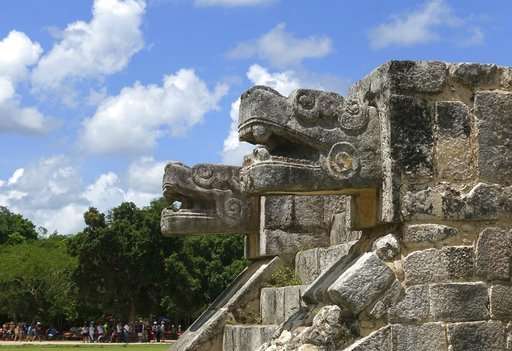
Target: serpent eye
point(203, 176)
point(204, 172)
point(355, 116)
point(306, 101)
point(305, 105)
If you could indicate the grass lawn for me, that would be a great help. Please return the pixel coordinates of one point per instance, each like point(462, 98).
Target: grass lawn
point(85, 347)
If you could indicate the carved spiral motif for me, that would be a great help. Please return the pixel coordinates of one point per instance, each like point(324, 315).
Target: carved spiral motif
point(203, 176)
point(354, 117)
point(342, 162)
point(330, 105)
point(306, 106)
point(233, 208)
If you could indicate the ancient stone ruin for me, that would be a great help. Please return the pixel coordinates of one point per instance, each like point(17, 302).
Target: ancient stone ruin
point(392, 205)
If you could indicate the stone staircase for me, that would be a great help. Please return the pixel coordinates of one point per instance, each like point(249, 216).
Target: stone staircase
point(277, 304)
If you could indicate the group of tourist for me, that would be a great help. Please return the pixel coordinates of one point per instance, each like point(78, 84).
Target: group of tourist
point(24, 332)
point(111, 331)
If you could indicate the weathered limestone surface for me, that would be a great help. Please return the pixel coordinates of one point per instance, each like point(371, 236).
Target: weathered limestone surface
point(278, 304)
point(414, 306)
point(459, 302)
point(379, 340)
point(493, 110)
point(494, 254)
point(361, 283)
point(449, 263)
point(291, 223)
point(418, 157)
point(211, 201)
point(309, 264)
point(427, 233)
point(425, 337)
point(246, 337)
point(476, 336)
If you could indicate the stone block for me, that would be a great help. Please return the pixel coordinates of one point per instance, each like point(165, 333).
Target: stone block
point(268, 305)
point(413, 307)
point(416, 76)
point(362, 283)
point(292, 300)
point(379, 340)
point(427, 233)
point(476, 336)
point(493, 254)
point(309, 213)
point(277, 304)
point(424, 337)
point(453, 147)
point(439, 265)
point(459, 302)
point(277, 211)
point(309, 264)
point(475, 75)
point(246, 337)
point(411, 136)
point(387, 301)
point(493, 110)
point(480, 203)
point(501, 302)
point(285, 243)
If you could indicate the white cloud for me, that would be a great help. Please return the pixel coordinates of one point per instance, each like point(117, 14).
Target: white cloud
point(145, 175)
point(420, 26)
point(133, 120)
point(232, 3)
point(16, 176)
point(282, 48)
point(51, 192)
point(105, 192)
point(93, 49)
point(17, 54)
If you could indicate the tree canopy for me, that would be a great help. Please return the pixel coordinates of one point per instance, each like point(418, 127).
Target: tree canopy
point(119, 265)
point(14, 228)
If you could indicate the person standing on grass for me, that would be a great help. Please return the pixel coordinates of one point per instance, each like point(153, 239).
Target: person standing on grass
point(126, 332)
point(99, 332)
point(91, 332)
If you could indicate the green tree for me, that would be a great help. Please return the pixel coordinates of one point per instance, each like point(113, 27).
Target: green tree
point(35, 281)
point(119, 262)
point(15, 229)
point(127, 268)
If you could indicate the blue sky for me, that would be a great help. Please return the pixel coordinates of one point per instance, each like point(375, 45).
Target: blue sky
point(96, 96)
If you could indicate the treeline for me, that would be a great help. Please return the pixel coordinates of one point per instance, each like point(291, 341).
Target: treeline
point(119, 266)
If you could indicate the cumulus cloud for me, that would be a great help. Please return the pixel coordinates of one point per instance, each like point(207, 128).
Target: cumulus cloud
point(92, 50)
point(281, 48)
point(145, 175)
point(232, 3)
point(52, 194)
point(133, 120)
point(17, 54)
point(421, 26)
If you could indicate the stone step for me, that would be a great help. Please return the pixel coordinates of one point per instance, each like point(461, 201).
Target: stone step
point(242, 337)
point(309, 264)
point(278, 304)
